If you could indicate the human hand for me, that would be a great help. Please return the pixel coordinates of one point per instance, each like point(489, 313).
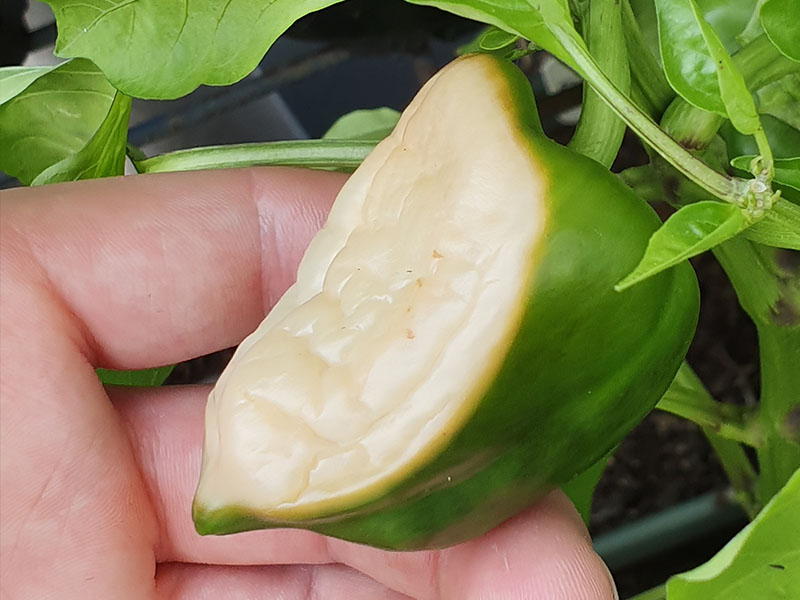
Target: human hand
point(96, 484)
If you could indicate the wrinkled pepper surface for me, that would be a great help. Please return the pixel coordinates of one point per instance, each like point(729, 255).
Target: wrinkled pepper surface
point(453, 347)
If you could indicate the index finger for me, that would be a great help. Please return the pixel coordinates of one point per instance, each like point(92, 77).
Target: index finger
point(162, 268)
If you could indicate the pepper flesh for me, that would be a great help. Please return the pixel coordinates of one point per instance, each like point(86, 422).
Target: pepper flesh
point(453, 347)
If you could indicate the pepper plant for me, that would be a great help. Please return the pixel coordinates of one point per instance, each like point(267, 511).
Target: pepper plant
point(711, 87)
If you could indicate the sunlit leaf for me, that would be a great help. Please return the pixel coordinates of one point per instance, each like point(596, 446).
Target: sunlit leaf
point(102, 156)
point(55, 117)
point(534, 20)
point(164, 48)
point(14, 80)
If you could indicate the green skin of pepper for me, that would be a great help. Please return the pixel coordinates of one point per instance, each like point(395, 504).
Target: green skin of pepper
point(586, 365)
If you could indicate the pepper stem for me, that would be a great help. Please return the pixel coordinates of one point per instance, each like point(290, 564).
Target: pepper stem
point(722, 186)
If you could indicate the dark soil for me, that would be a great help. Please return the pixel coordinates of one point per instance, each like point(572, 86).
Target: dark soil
point(666, 459)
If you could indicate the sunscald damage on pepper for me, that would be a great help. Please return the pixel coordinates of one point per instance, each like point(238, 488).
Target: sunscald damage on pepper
point(453, 347)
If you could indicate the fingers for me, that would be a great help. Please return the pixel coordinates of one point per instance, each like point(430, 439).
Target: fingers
point(160, 268)
point(166, 430)
point(543, 553)
point(175, 581)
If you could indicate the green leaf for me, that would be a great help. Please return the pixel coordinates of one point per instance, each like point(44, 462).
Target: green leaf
point(787, 170)
point(599, 131)
point(535, 20)
point(767, 283)
point(143, 378)
point(779, 228)
point(580, 488)
point(781, 22)
point(781, 99)
point(102, 156)
point(14, 80)
point(645, 13)
point(496, 39)
point(757, 280)
point(762, 562)
point(729, 18)
point(784, 140)
point(693, 229)
point(165, 49)
point(374, 124)
point(753, 28)
point(497, 42)
point(474, 45)
point(698, 66)
point(54, 118)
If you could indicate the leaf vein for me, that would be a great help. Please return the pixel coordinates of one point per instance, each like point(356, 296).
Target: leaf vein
point(103, 14)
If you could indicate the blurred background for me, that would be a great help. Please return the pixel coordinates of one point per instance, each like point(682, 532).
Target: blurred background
point(358, 54)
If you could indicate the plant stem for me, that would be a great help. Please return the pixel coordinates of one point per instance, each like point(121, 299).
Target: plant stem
point(780, 407)
point(766, 165)
point(688, 398)
point(759, 62)
point(740, 472)
point(317, 154)
point(648, 80)
point(763, 288)
point(656, 593)
point(692, 127)
point(767, 282)
point(726, 188)
point(723, 425)
point(599, 132)
point(645, 181)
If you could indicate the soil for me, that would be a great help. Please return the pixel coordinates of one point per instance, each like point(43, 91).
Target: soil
point(666, 459)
